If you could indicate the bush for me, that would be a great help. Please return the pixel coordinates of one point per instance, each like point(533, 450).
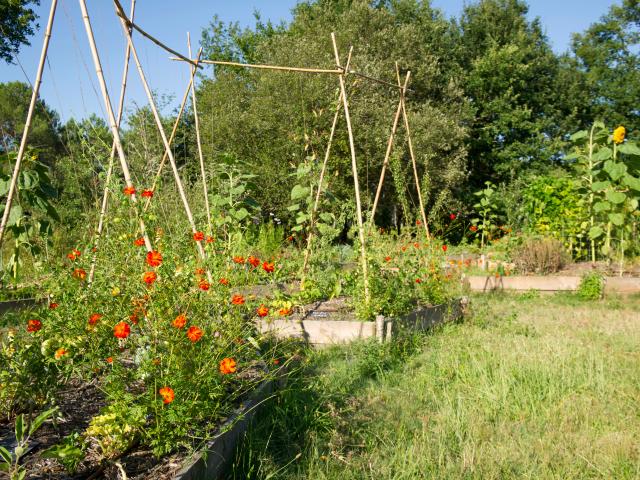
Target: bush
point(540, 255)
point(591, 286)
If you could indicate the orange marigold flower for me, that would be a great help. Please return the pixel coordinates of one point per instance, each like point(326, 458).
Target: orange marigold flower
point(80, 274)
point(198, 236)
point(238, 259)
point(180, 321)
point(444, 248)
point(387, 259)
point(93, 319)
point(262, 311)
point(276, 361)
point(418, 222)
point(194, 334)
point(210, 239)
point(203, 285)
point(133, 318)
point(147, 193)
point(285, 312)
point(618, 134)
point(224, 281)
point(237, 300)
point(167, 394)
point(71, 256)
point(121, 330)
point(404, 248)
point(227, 366)
point(53, 305)
point(129, 190)
point(109, 360)
point(34, 325)
point(149, 277)
point(139, 242)
point(418, 280)
point(61, 352)
point(290, 238)
point(473, 228)
point(154, 259)
point(416, 245)
point(268, 267)
point(253, 261)
point(199, 271)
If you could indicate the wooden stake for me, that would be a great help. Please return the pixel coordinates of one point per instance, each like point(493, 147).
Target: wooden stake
point(354, 167)
point(197, 125)
point(267, 67)
point(413, 157)
point(165, 141)
point(176, 124)
point(112, 156)
point(307, 253)
point(387, 155)
point(111, 116)
point(27, 126)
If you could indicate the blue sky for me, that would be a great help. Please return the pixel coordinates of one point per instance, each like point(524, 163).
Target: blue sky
point(69, 84)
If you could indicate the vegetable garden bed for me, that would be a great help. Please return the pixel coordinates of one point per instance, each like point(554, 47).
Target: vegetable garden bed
point(492, 283)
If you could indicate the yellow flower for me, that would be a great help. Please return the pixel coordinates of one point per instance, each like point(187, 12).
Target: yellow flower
point(618, 134)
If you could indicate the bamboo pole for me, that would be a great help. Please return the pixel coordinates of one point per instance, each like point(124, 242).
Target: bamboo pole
point(111, 116)
point(176, 124)
point(307, 253)
point(130, 24)
point(165, 141)
point(354, 167)
point(387, 155)
point(266, 67)
point(411, 153)
point(198, 141)
point(112, 156)
point(27, 126)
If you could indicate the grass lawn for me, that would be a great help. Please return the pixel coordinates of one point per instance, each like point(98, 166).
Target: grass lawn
point(527, 387)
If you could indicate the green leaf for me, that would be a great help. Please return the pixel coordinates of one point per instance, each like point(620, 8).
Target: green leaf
point(241, 214)
point(615, 170)
point(299, 191)
point(20, 428)
point(595, 232)
point(603, 154)
point(297, 228)
point(578, 135)
point(4, 187)
point(40, 419)
point(15, 215)
point(632, 182)
point(6, 456)
point(616, 218)
point(239, 190)
point(629, 148)
point(601, 206)
point(599, 186)
point(326, 217)
point(294, 208)
point(615, 197)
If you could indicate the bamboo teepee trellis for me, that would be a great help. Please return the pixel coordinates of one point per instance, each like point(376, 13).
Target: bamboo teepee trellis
point(128, 27)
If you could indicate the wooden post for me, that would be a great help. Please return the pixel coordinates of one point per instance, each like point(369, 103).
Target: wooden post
point(176, 124)
point(112, 156)
point(165, 141)
point(316, 203)
point(27, 126)
point(413, 157)
point(197, 125)
point(354, 167)
point(387, 155)
point(111, 116)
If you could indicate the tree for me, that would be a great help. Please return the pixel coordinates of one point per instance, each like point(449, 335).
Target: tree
point(17, 22)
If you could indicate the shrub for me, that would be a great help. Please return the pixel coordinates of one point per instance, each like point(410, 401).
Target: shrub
point(591, 286)
point(540, 255)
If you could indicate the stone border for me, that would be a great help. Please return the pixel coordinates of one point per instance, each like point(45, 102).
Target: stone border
point(490, 283)
point(212, 462)
point(330, 332)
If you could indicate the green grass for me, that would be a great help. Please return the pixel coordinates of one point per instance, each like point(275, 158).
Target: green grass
point(528, 387)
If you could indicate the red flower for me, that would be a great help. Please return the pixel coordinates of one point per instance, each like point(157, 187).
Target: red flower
point(180, 321)
point(224, 281)
point(237, 300)
point(80, 274)
point(154, 259)
point(149, 277)
point(416, 245)
point(139, 242)
point(34, 325)
point(133, 318)
point(121, 330)
point(167, 395)
point(452, 216)
point(268, 267)
point(473, 228)
point(262, 311)
point(198, 236)
point(290, 238)
point(253, 261)
point(61, 352)
point(129, 190)
point(194, 334)
point(238, 259)
point(109, 360)
point(418, 222)
point(285, 312)
point(74, 254)
point(93, 319)
point(203, 285)
point(210, 239)
point(53, 305)
point(199, 272)
point(227, 366)
point(387, 259)
point(444, 248)
point(404, 248)
point(147, 193)
point(418, 280)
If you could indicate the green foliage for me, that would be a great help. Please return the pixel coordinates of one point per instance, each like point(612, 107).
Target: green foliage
point(70, 452)
point(591, 286)
point(17, 23)
point(488, 207)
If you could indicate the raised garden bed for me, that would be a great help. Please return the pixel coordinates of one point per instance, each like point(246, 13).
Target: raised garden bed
point(492, 283)
point(20, 304)
point(332, 321)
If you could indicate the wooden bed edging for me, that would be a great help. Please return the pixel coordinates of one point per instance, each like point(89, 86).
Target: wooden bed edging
point(321, 332)
point(548, 284)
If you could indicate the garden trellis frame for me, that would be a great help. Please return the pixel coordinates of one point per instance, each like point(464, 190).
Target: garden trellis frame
point(114, 123)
